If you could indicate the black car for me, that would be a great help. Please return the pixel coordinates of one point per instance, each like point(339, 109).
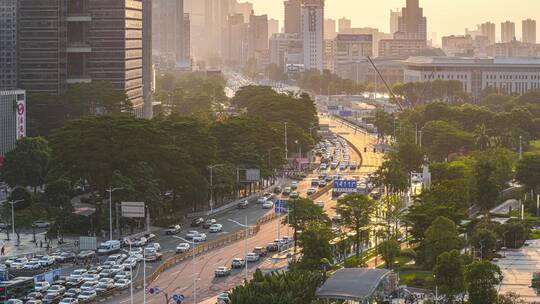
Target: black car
point(272, 247)
point(196, 222)
point(260, 251)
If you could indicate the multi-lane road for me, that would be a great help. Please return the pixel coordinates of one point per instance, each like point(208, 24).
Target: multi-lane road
point(179, 279)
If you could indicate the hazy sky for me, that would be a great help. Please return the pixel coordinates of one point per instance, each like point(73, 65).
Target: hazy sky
point(444, 17)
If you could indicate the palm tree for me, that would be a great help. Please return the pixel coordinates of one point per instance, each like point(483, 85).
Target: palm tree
point(357, 214)
point(482, 139)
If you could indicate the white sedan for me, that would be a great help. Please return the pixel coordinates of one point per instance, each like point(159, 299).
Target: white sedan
point(199, 238)
point(182, 247)
point(32, 265)
point(268, 205)
point(122, 283)
point(192, 233)
point(216, 228)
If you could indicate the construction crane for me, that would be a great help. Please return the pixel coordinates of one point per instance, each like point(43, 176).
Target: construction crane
point(392, 95)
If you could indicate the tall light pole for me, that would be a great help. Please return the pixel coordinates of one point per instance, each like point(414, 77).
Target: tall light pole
point(520, 147)
point(286, 151)
point(13, 215)
point(111, 190)
point(212, 185)
point(245, 245)
point(193, 265)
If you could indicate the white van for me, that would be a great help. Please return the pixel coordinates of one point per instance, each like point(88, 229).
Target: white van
point(109, 247)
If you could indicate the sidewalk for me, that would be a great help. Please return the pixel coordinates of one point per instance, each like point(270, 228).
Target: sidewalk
point(27, 246)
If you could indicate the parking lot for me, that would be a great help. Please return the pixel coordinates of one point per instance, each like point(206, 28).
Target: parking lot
point(518, 267)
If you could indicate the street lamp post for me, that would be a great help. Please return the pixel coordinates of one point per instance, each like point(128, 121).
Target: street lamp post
point(13, 215)
point(245, 244)
point(212, 185)
point(111, 190)
point(193, 265)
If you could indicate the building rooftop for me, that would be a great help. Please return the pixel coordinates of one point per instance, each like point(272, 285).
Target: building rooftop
point(463, 61)
point(352, 284)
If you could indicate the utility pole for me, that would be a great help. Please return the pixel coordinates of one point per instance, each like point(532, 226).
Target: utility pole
point(520, 147)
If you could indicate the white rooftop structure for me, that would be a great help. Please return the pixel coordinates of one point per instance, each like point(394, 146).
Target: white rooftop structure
point(509, 75)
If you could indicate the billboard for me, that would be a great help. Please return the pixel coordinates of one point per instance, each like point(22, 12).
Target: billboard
point(133, 209)
point(87, 243)
point(21, 116)
point(294, 68)
point(253, 175)
point(345, 186)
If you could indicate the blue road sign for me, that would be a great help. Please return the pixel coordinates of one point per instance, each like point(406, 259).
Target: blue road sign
point(153, 290)
point(178, 297)
point(281, 206)
point(345, 186)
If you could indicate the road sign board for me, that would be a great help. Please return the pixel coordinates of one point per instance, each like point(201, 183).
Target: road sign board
point(133, 209)
point(87, 243)
point(153, 290)
point(345, 186)
point(281, 206)
point(253, 175)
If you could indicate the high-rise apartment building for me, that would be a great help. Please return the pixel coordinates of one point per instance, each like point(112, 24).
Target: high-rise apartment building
point(293, 19)
point(412, 24)
point(329, 29)
point(508, 31)
point(81, 41)
point(488, 29)
point(348, 52)
point(258, 34)
point(283, 44)
point(12, 118)
point(313, 33)
point(528, 31)
point(169, 32)
point(237, 34)
point(394, 20)
point(244, 8)
point(147, 65)
point(8, 44)
point(344, 24)
point(273, 27)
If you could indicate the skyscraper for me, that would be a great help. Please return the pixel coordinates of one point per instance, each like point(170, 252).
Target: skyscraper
point(313, 33)
point(412, 24)
point(8, 44)
point(179, 33)
point(258, 34)
point(237, 33)
point(293, 21)
point(329, 29)
point(394, 20)
point(488, 29)
point(82, 41)
point(344, 24)
point(273, 27)
point(508, 31)
point(529, 31)
point(148, 68)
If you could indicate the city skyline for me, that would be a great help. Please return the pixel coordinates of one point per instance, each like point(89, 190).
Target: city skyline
point(377, 14)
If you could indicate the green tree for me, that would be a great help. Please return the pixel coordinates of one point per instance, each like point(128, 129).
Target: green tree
point(441, 138)
point(442, 236)
point(513, 234)
point(28, 163)
point(485, 185)
point(301, 212)
point(510, 298)
point(315, 242)
point(449, 272)
point(356, 211)
point(295, 286)
point(484, 240)
point(391, 175)
point(390, 250)
point(528, 171)
point(482, 278)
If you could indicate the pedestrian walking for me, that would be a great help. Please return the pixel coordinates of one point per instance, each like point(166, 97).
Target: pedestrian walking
point(40, 244)
point(3, 250)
